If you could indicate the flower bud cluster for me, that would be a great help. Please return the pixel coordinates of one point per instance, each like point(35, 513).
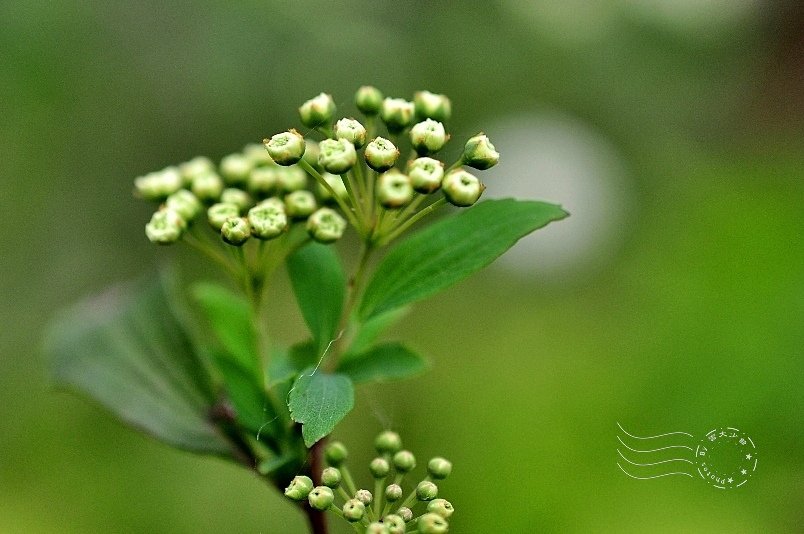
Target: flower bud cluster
point(387, 509)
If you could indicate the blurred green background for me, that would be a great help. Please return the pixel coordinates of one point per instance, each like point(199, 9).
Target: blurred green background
point(672, 299)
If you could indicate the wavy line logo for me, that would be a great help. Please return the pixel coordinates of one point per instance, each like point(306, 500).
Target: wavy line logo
point(725, 457)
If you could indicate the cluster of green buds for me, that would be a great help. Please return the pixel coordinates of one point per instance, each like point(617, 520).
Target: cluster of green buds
point(386, 510)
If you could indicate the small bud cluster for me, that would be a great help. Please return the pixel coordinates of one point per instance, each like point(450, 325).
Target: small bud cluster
point(386, 510)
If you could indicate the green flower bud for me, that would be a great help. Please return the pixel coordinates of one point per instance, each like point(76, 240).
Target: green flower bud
point(425, 174)
point(299, 488)
point(257, 155)
point(441, 507)
point(405, 513)
point(377, 528)
point(397, 114)
point(291, 179)
point(195, 167)
point(394, 189)
point(238, 197)
point(337, 155)
point(368, 100)
point(364, 496)
point(354, 510)
point(236, 231)
point(158, 185)
point(268, 219)
point(326, 226)
point(379, 467)
point(321, 498)
point(439, 468)
point(395, 524)
point(317, 111)
point(393, 492)
point(461, 188)
point(336, 453)
point(428, 136)
point(336, 183)
point(388, 441)
point(219, 213)
point(352, 131)
point(285, 148)
point(300, 204)
point(381, 154)
point(426, 491)
point(165, 227)
point(312, 152)
point(480, 153)
point(263, 181)
point(431, 523)
point(404, 461)
point(331, 477)
point(207, 186)
point(184, 203)
point(432, 106)
point(235, 169)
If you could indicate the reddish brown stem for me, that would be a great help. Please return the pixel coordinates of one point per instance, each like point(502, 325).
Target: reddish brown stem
point(316, 518)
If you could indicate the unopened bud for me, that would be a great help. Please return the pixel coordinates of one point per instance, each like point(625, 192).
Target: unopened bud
point(388, 442)
point(158, 185)
point(291, 179)
point(285, 148)
point(299, 488)
point(428, 136)
point(336, 183)
point(184, 203)
point(461, 188)
point(321, 498)
point(331, 477)
point(354, 510)
point(336, 453)
point(432, 106)
point(441, 507)
point(394, 189)
point(379, 467)
point(262, 181)
point(219, 213)
point(207, 186)
point(368, 100)
point(381, 154)
point(404, 461)
point(431, 523)
point(352, 131)
point(395, 524)
point(425, 174)
point(426, 491)
point(439, 468)
point(364, 496)
point(376, 527)
point(480, 153)
point(235, 169)
point(393, 492)
point(397, 114)
point(165, 227)
point(238, 197)
point(337, 155)
point(236, 231)
point(317, 111)
point(326, 226)
point(405, 513)
point(196, 166)
point(257, 155)
point(268, 219)
point(299, 204)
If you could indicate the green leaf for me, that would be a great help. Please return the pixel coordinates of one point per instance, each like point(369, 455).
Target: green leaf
point(451, 250)
point(245, 393)
point(319, 285)
point(289, 362)
point(229, 316)
point(319, 401)
point(128, 350)
point(369, 331)
point(390, 361)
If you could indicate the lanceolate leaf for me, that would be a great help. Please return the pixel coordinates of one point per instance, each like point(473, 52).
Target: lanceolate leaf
point(319, 285)
point(252, 409)
point(390, 361)
point(451, 250)
point(372, 329)
point(319, 401)
point(127, 350)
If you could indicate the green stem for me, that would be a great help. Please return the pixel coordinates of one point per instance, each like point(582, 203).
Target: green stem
point(354, 198)
point(411, 221)
point(378, 496)
point(201, 247)
point(347, 211)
